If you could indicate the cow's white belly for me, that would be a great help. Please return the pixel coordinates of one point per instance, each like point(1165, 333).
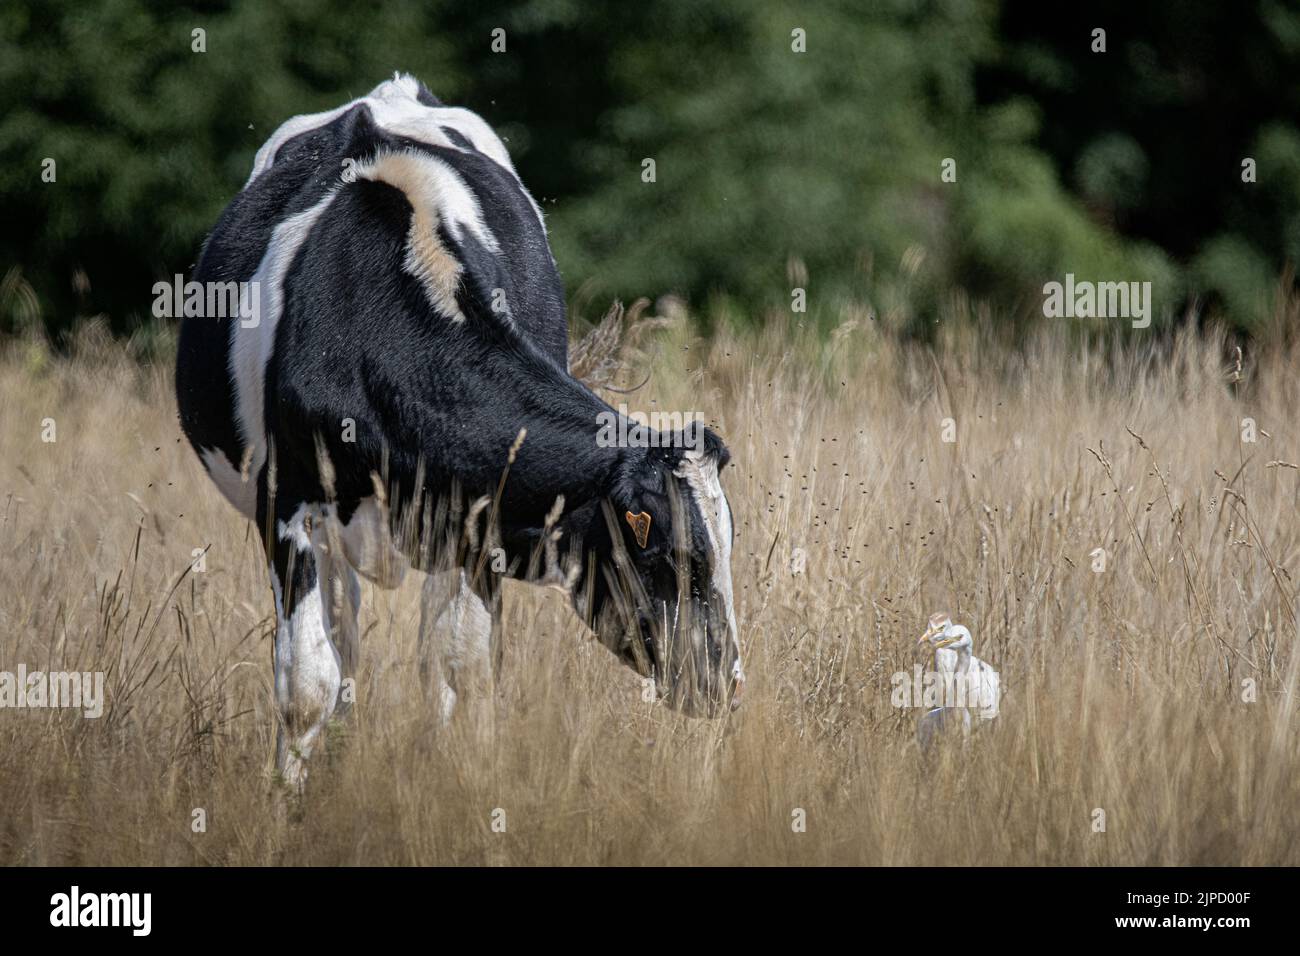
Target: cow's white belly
point(369, 548)
point(230, 482)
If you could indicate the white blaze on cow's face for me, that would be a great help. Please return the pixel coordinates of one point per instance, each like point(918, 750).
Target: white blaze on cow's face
point(705, 487)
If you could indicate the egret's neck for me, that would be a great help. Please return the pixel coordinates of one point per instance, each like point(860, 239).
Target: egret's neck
point(961, 646)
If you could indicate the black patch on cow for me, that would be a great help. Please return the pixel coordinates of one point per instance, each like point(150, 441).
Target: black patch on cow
point(524, 268)
point(457, 137)
point(360, 339)
point(306, 167)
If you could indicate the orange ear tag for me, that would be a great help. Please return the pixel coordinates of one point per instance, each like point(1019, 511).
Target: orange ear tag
point(640, 525)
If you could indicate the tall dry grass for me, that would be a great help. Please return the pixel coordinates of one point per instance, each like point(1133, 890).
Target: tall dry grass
point(1124, 688)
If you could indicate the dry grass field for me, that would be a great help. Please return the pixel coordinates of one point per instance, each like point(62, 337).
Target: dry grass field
point(1127, 690)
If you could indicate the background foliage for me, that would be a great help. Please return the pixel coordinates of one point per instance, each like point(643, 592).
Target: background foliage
point(773, 168)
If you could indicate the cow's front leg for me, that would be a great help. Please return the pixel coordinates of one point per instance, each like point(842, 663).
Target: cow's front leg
point(341, 592)
point(458, 638)
point(307, 665)
point(347, 632)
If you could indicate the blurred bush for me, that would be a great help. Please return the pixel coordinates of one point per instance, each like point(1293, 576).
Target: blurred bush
point(772, 167)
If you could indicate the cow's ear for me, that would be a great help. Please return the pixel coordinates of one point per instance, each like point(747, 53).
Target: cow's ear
point(696, 441)
point(713, 447)
point(640, 504)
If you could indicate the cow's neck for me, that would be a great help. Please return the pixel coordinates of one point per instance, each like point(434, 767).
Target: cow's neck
point(560, 454)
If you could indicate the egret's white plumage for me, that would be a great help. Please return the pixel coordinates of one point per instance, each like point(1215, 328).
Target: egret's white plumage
point(981, 684)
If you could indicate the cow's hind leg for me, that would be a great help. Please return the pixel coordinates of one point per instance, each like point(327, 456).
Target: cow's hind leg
point(307, 665)
point(458, 638)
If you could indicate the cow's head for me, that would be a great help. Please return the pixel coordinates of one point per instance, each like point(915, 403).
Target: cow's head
point(661, 595)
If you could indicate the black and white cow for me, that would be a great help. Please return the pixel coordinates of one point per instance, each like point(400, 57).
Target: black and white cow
point(411, 324)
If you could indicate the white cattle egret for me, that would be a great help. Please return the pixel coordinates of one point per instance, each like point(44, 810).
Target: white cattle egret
point(969, 683)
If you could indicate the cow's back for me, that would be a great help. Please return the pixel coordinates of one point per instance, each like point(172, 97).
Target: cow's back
point(288, 231)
